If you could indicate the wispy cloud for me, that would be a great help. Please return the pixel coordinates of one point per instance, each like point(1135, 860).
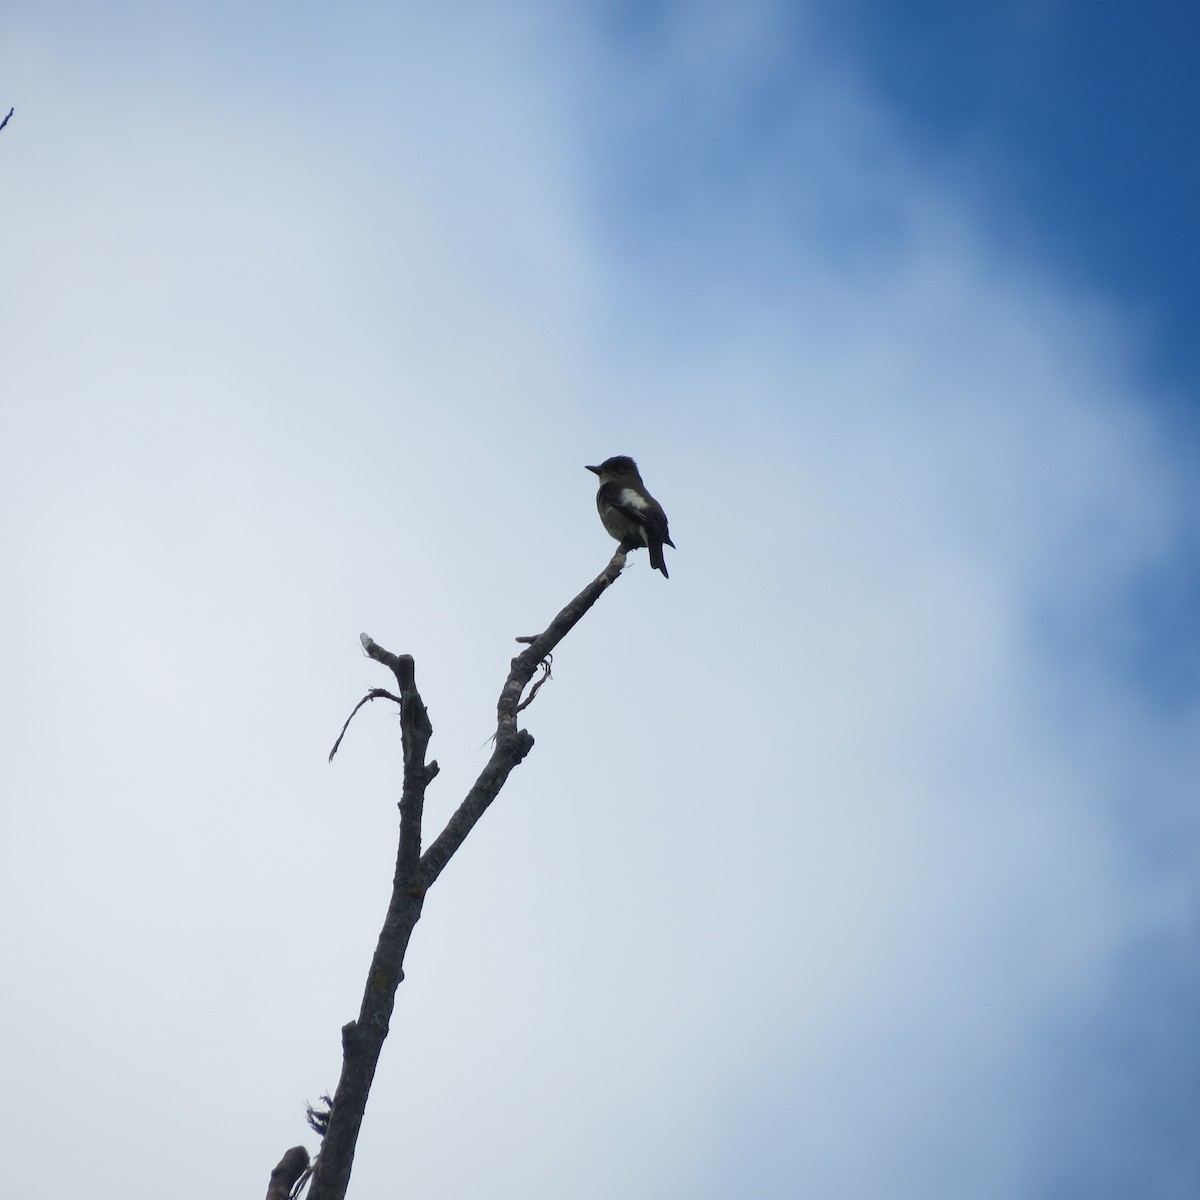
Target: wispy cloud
point(838, 854)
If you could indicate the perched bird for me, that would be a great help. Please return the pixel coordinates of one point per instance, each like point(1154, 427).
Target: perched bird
point(629, 512)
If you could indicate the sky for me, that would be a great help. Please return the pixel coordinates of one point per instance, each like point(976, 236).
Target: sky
point(860, 857)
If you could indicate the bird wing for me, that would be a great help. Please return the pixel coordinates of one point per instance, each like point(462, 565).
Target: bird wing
point(638, 506)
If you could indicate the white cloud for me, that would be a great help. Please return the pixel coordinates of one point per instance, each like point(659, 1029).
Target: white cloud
point(822, 842)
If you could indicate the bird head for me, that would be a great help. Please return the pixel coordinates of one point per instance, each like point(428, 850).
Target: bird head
point(620, 466)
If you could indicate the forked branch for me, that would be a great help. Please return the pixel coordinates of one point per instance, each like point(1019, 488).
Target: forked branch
point(416, 872)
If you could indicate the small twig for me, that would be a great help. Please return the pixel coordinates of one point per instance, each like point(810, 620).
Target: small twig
point(318, 1118)
point(5, 121)
point(545, 665)
point(373, 694)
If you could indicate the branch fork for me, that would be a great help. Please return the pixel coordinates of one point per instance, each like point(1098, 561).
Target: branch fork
point(417, 870)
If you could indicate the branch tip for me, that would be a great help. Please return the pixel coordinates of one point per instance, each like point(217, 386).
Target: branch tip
point(288, 1173)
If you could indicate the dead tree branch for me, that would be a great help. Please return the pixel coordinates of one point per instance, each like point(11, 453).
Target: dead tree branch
point(416, 872)
point(291, 1166)
point(545, 664)
point(512, 744)
point(373, 694)
point(6, 117)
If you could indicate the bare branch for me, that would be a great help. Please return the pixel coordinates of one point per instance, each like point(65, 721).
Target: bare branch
point(291, 1166)
point(5, 121)
point(373, 694)
point(545, 665)
point(301, 1183)
point(362, 1040)
point(512, 744)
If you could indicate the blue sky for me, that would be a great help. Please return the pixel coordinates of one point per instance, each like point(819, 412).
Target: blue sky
point(1083, 117)
point(858, 858)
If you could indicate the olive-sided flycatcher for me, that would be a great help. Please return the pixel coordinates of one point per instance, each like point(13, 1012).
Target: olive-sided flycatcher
point(629, 512)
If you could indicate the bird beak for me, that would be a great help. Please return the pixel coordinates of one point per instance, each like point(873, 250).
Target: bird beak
point(594, 470)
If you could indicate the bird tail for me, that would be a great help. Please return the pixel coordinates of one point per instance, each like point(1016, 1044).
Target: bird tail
point(657, 562)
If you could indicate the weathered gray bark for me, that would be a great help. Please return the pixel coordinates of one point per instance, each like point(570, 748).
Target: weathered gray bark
point(416, 872)
point(291, 1166)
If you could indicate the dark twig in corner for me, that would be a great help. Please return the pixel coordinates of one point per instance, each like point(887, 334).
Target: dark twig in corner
point(416, 872)
point(7, 115)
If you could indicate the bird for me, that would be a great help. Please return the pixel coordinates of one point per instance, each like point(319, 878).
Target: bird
point(629, 512)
